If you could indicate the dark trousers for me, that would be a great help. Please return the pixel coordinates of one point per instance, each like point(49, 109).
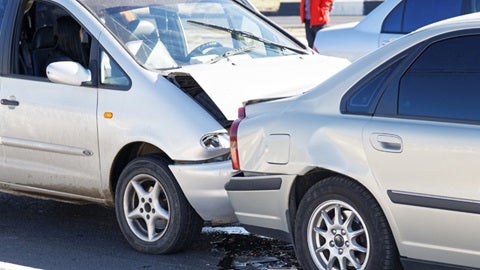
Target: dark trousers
point(311, 31)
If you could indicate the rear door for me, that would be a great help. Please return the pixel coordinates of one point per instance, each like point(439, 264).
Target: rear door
point(423, 147)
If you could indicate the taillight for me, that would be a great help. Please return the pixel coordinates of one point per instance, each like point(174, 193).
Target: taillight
point(233, 138)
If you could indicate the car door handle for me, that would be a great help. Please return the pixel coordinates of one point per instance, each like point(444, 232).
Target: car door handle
point(386, 142)
point(9, 102)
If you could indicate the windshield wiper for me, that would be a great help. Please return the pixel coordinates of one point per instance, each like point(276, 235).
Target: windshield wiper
point(232, 53)
point(247, 35)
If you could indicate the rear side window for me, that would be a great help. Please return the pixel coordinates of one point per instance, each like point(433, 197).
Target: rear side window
point(362, 101)
point(393, 22)
point(420, 13)
point(363, 97)
point(3, 6)
point(443, 83)
point(413, 14)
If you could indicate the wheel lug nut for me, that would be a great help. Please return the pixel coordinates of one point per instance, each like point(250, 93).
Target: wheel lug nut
point(343, 232)
point(141, 210)
point(340, 251)
point(334, 231)
point(143, 200)
point(150, 200)
point(332, 243)
point(347, 244)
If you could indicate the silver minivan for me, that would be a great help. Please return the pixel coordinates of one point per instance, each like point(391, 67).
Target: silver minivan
point(127, 104)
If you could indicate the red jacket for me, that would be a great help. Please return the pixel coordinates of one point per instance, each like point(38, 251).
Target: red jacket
point(319, 11)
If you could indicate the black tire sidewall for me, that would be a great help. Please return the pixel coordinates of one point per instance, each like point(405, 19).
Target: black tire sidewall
point(180, 211)
point(383, 254)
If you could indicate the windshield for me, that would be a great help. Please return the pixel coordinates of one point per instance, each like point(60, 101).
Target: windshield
point(163, 34)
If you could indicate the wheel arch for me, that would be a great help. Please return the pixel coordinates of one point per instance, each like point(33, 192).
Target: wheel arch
point(304, 182)
point(128, 153)
point(319, 183)
point(301, 185)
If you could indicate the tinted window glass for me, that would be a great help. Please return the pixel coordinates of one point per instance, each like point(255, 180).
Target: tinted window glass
point(361, 101)
point(3, 5)
point(393, 22)
point(423, 12)
point(365, 93)
point(444, 81)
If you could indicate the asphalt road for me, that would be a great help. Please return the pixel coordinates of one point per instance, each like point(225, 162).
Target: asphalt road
point(39, 234)
point(43, 234)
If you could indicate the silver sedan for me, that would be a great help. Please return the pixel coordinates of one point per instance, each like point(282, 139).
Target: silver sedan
point(377, 167)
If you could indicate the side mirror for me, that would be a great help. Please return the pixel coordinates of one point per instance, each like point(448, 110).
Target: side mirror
point(68, 72)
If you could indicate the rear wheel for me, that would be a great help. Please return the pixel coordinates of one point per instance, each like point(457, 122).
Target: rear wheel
point(340, 226)
point(152, 212)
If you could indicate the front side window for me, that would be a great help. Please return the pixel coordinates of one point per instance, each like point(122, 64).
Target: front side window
point(443, 83)
point(48, 34)
point(164, 34)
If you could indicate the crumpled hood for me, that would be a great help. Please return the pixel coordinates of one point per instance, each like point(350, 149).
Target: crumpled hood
point(230, 83)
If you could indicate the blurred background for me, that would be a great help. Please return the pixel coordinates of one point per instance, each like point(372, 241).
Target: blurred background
point(286, 12)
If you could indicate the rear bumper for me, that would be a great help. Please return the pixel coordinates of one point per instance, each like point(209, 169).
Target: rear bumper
point(261, 201)
point(204, 187)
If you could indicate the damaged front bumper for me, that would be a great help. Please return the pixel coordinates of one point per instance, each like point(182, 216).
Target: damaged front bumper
point(204, 187)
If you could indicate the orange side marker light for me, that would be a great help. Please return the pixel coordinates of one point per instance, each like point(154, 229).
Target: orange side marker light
point(108, 115)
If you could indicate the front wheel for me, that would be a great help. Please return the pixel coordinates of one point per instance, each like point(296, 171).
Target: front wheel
point(341, 226)
point(152, 212)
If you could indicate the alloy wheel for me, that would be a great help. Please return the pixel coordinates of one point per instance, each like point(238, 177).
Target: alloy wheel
point(146, 207)
point(337, 237)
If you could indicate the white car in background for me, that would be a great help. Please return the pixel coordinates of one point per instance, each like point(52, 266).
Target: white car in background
point(377, 167)
point(389, 21)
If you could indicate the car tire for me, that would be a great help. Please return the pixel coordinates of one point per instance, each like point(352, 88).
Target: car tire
point(152, 212)
point(339, 225)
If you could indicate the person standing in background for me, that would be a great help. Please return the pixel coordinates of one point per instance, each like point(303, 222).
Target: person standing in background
point(315, 14)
